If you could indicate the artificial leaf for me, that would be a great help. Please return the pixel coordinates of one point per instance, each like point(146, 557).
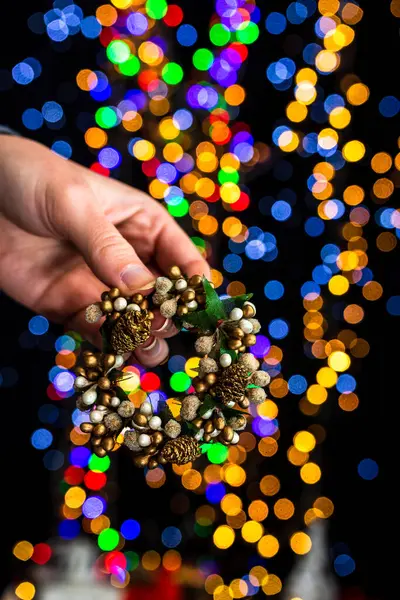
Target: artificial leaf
point(164, 412)
point(232, 412)
point(175, 407)
point(199, 319)
point(208, 403)
point(214, 307)
point(235, 302)
point(119, 392)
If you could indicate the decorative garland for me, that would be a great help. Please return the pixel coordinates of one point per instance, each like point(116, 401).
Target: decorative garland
point(228, 379)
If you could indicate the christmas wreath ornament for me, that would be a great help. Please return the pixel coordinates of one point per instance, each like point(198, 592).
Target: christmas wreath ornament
point(214, 409)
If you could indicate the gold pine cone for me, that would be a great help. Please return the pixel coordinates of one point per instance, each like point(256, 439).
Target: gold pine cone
point(180, 451)
point(130, 331)
point(231, 384)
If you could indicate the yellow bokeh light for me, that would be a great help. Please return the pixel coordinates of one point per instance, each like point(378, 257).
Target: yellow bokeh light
point(272, 586)
point(338, 285)
point(192, 363)
point(288, 141)
point(232, 226)
point(270, 485)
point(327, 61)
point(252, 531)
point(316, 394)
point(347, 261)
point(307, 74)
point(223, 537)
point(296, 112)
point(300, 543)
point(327, 377)
point(353, 195)
point(258, 510)
point(268, 546)
point(234, 95)
point(144, 150)
point(381, 162)
point(339, 117)
point(25, 591)
point(305, 92)
point(235, 475)
point(231, 504)
point(296, 457)
point(167, 129)
point(151, 560)
point(213, 582)
point(353, 151)
point(325, 506)
point(340, 361)
point(284, 509)
point(310, 473)
point(357, 94)
point(23, 550)
point(238, 588)
point(304, 441)
point(267, 446)
point(191, 479)
point(230, 192)
point(75, 497)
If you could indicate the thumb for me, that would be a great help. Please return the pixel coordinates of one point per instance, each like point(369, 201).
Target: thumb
point(110, 256)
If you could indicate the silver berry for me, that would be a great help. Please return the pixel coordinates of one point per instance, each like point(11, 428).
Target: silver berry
point(236, 314)
point(120, 304)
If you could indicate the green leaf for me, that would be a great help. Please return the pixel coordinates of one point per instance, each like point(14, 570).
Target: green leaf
point(232, 412)
point(214, 307)
point(165, 413)
point(119, 392)
point(208, 403)
point(199, 319)
point(189, 429)
point(235, 301)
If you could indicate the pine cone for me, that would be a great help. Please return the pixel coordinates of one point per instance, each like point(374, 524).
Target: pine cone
point(180, 451)
point(231, 384)
point(130, 331)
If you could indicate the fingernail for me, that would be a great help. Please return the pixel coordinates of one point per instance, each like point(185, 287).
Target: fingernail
point(137, 278)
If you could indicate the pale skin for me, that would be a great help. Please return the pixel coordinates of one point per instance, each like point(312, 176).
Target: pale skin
point(67, 234)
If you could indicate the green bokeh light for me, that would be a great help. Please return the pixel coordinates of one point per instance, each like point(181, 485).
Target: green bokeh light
point(108, 539)
point(156, 9)
point(203, 59)
point(180, 381)
point(225, 176)
point(106, 117)
point(132, 559)
point(203, 530)
point(172, 73)
point(219, 34)
point(99, 465)
point(118, 52)
point(217, 453)
point(248, 34)
point(179, 210)
point(130, 67)
point(199, 242)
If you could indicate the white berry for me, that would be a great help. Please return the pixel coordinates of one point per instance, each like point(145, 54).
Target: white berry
point(155, 422)
point(225, 360)
point(144, 440)
point(96, 416)
point(192, 305)
point(215, 433)
point(231, 404)
point(235, 438)
point(246, 326)
point(89, 397)
point(115, 401)
point(133, 307)
point(208, 414)
point(181, 285)
point(119, 361)
point(236, 314)
point(81, 382)
point(120, 304)
point(199, 435)
point(146, 409)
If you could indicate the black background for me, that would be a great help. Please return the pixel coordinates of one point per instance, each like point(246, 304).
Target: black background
point(365, 512)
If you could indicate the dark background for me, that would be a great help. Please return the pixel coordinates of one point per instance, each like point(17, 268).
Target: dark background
point(365, 512)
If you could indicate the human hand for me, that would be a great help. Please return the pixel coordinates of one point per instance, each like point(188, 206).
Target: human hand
point(67, 233)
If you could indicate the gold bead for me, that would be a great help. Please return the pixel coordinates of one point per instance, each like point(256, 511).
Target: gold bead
point(86, 427)
point(105, 296)
point(150, 450)
point(206, 437)
point(222, 441)
point(144, 305)
point(162, 460)
point(245, 403)
point(105, 399)
point(211, 378)
point(92, 375)
point(106, 306)
point(90, 361)
point(141, 461)
point(140, 419)
point(108, 443)
point(157, 438)
point(188, 295)
point(248, 311)
point(195, 280)
point(200, 387)
point(242, 349)
point(236, 332)
point(137, 298)
point(80, 371)
point(108, 361)
point(174, 272)
point(227, 433)
point(234, 344)
point(153, 463)
point(198, 422)
point(200, 298)
point(114, 293)
point(99, 430)
point(209, 427)
point(182, 310)
point(249, 339)
point(114, 317)
point(95, 441)
point(104, 383)
point(219, 423)
point(99, 451)
point(150, 315)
